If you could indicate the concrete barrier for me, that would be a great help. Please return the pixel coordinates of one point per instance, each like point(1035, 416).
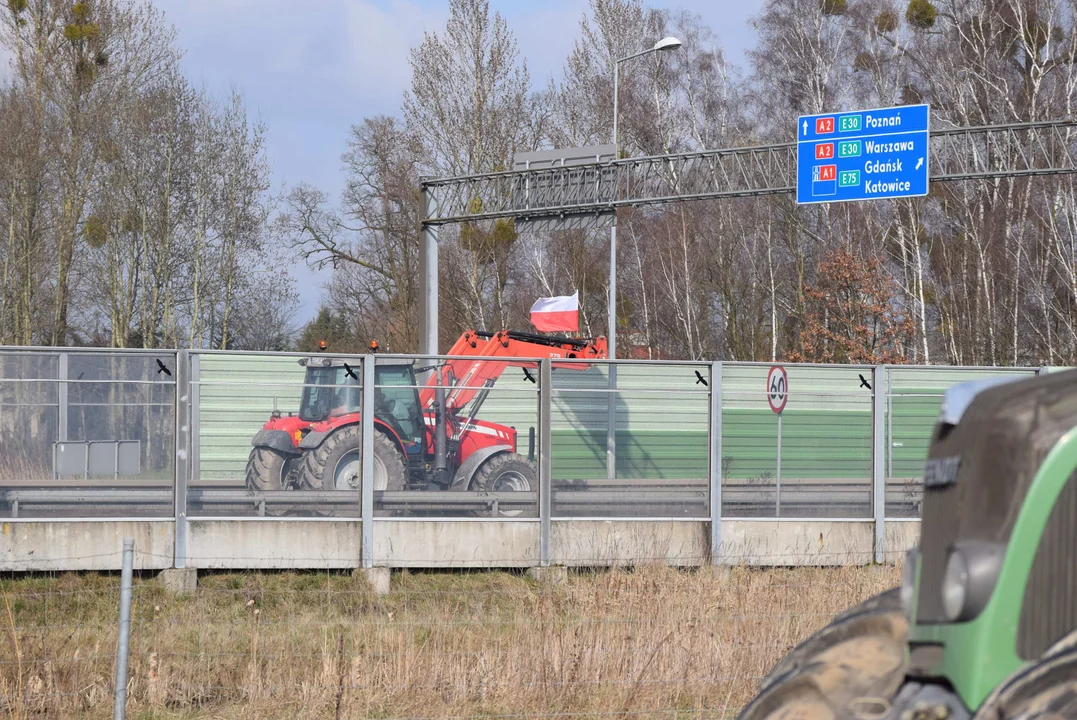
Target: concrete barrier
point(27, 546)
point(277, 543)
point(459, 544)
point(273, 544)
point(780, 543)
point(607, 543)
point(901, 535)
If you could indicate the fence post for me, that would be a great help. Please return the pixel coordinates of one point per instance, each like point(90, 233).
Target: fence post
point(879, 392)
point(123, 641)
point(778, 475)
point(715, 471)
point(61, 397)
point(366, 499)
point(186, 439)
point(545, 460)
point(611, 424)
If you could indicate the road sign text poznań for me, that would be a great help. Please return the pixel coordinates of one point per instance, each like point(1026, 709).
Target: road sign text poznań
point(863, 155)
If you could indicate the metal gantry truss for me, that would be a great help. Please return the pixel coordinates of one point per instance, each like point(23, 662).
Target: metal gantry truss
point(970, 153)
point(587, 195)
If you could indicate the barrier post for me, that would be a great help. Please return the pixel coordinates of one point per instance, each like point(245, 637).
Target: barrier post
point(366, 496)
point(545, 460)
point(186, 440)
point(878, 459)
point(62, 396)
point(715, 471)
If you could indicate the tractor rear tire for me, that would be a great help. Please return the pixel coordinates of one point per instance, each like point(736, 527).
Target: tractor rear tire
point(858, 658)
point(267, 469)
point(335, 465)
point(506, 472)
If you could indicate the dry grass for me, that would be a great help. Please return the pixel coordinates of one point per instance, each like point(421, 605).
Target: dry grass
point(291, 645)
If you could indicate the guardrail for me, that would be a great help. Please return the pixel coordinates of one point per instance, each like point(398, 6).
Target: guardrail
point(669, 500)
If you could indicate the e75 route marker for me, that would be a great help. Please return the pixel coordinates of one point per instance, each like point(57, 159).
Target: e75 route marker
point(863, 155)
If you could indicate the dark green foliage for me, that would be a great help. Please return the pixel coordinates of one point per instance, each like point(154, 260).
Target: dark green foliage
point(95, 231)
point(911, 95)
point(79, 33)
point(864, 62)
point(921, 14)
point(834, 7)
point(1036, 35)
point(332, 327)
point(489, 244)
point(85, 72)
point(886, 21)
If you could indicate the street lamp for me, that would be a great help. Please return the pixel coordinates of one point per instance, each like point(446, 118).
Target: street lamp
point(666, 43)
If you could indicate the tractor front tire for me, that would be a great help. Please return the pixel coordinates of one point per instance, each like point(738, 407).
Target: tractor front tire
point(335, 464)
point(506, 472)
point(267, 469)
point(858, 658)
point(1047, 690)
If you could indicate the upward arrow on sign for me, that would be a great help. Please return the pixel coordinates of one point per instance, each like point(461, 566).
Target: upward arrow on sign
point(805, 127)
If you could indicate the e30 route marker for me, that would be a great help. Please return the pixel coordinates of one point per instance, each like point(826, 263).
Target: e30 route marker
point(777, 388)
point(863, 155)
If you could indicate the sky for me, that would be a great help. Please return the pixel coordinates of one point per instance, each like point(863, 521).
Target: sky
point(310, 70)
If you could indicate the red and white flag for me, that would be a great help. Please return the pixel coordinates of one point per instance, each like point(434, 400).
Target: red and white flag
point(553, 314)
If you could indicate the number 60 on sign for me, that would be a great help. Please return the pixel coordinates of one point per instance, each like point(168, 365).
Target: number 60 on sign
point(777, 388)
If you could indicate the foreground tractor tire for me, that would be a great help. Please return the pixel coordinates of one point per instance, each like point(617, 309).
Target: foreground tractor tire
point(851, 668)
point(1045, 691)
point(336, 464)
point(267, 469)
point(507, 472)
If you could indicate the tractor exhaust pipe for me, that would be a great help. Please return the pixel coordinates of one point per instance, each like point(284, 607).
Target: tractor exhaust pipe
point(441, 435)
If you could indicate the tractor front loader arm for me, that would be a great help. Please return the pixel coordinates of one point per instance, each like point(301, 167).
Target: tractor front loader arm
point(497, 351)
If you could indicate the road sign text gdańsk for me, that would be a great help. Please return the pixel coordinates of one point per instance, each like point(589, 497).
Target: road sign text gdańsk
point(863, 155)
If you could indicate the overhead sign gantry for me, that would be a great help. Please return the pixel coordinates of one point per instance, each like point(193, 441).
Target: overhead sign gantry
point(578, 192)
point(863, 155)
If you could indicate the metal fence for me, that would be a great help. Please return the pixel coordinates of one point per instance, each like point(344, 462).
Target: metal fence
point(168, 434)
point(87, 433)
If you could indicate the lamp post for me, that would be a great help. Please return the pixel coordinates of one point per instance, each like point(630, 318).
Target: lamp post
point(666, 43)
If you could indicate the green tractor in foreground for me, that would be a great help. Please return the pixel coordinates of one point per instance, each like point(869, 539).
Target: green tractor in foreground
point(984, 624)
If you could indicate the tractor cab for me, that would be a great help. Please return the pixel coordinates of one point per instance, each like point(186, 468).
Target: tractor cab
point(332, 389)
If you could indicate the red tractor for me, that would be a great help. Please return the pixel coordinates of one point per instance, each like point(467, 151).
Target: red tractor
point(423, 441)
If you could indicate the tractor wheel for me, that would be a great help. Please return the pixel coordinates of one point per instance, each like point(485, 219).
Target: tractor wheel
point(268, 469)
point(336, 463)
point(507, 472)
point(1045, 691)
point(851, 668)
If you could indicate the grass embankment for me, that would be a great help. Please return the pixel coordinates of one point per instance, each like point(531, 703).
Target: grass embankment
point(654, 642)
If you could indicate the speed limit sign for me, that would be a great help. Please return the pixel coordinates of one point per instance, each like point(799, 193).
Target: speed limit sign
point(777, 388)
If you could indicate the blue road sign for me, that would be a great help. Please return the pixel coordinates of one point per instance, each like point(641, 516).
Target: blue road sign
point(862, 155)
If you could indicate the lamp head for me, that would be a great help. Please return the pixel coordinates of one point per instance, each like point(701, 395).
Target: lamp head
point(667, 43)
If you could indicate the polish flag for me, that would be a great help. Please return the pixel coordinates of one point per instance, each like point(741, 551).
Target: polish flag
point(554, 314)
